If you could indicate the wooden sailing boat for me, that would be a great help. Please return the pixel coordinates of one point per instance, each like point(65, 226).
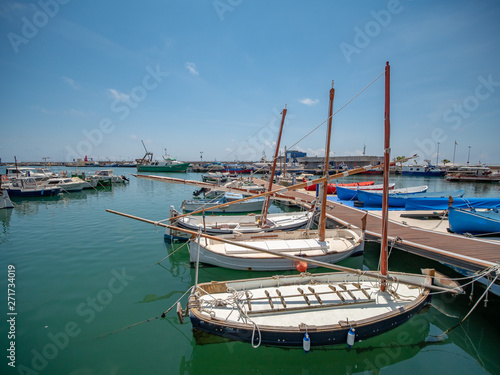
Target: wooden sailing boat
point(319, 309)
point(331, 246)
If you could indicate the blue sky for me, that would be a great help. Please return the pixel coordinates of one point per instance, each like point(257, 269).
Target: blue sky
point(95, 78)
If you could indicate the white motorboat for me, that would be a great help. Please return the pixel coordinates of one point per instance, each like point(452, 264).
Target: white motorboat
point(67, 184)
point(28, 187)
point(36, 173)
point(106, 177)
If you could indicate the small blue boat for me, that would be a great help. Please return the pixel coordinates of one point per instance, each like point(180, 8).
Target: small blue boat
point(425, 204)
point(350, 193)
point(464, 220)
point(397, 197)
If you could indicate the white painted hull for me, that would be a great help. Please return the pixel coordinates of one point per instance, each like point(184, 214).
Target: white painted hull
point(218, 224)
point(251, 205)
point(5, 201)
point(340, 244)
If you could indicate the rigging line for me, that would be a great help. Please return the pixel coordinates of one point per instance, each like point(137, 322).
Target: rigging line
point(147, 320)
point(473, 307)
point(245, 141)
point(172, 253)
point(341, 108)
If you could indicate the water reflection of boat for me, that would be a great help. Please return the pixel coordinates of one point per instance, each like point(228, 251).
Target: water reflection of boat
point(371, 356)
point(477, 337)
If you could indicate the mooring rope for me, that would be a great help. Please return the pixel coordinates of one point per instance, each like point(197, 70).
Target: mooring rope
point(471, 310)
point(147, 320)
point(173, 252)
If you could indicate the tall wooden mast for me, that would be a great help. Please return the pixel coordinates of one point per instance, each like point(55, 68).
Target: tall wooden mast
point(265, 208)
point(322, 219)
point(385, 200)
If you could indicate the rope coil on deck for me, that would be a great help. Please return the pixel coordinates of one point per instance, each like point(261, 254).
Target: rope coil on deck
point(236, 300)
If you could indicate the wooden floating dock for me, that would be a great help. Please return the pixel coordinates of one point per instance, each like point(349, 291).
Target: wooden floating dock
point(471, 254)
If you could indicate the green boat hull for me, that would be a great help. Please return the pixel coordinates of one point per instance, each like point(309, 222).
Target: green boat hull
point(163, 168)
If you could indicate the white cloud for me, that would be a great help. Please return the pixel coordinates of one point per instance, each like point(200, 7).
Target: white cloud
point(192, 68)
point(117, 95)
point(71, 82)
point(309, 101)
point(74, 112)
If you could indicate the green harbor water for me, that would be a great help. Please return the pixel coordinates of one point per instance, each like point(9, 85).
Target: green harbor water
point(85, 279)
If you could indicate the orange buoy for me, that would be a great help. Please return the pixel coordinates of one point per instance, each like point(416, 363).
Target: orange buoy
point(301, 266)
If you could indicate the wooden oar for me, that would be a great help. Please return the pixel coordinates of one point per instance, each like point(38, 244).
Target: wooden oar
point(287, 256)
point(282, 189)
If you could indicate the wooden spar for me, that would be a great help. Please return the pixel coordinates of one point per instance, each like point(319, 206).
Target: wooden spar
point(285, 161)
point(265, 208)
point(287, 256)
point(322, 219)
point(208, 185)
point(282, 189)
point(385, 193)
point(17, 169)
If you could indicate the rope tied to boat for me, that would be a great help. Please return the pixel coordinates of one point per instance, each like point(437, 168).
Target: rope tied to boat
point(234, 300)
point(445, 214)
point(393, 242)
point(176, 250)
point(147, 320)
point(475, 277)
point(473, 307)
